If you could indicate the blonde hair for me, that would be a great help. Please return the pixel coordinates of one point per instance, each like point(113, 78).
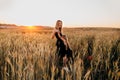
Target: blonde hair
point(57, 27)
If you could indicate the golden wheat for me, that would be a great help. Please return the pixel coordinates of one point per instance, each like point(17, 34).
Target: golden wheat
point(28, 55)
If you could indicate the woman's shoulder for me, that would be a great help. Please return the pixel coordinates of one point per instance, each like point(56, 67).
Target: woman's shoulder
point(56, 31)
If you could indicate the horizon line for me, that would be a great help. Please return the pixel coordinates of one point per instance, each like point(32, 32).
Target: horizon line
point(66, 26)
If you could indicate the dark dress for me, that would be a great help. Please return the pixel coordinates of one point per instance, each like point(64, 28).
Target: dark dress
point(60, 45)
point(61, 48)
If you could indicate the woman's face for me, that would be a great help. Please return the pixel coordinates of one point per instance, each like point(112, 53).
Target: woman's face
point(60, 24)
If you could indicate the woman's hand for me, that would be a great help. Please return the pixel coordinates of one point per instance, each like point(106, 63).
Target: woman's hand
point(66, 45)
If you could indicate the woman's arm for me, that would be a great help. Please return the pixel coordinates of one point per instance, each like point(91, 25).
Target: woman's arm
point(53, 34)
point(61, 37)
point(64, 41)
point(68, 44)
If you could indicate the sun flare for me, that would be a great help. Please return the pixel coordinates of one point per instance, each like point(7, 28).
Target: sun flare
point(31, 27)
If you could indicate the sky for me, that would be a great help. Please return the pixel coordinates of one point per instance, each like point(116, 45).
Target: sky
point(73, 13)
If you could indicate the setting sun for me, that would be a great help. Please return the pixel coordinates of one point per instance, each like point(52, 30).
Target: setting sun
point(31, 27)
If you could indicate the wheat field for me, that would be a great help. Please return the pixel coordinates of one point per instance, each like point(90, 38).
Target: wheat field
point(30, 55)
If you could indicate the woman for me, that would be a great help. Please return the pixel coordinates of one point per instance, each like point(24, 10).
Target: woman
point(57, 32)
point(61, 43)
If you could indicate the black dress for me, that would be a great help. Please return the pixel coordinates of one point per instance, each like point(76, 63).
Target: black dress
point(61, 48)
point(60, 45)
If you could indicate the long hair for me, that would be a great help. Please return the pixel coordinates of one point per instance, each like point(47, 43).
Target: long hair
point(57, 25)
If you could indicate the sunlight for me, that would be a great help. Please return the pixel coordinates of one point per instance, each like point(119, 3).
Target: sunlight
point(31, 27)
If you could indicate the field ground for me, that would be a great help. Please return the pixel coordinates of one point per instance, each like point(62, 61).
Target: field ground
point(29, 54)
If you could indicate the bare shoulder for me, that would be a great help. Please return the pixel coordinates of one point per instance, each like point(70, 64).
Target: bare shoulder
point(55, 30)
